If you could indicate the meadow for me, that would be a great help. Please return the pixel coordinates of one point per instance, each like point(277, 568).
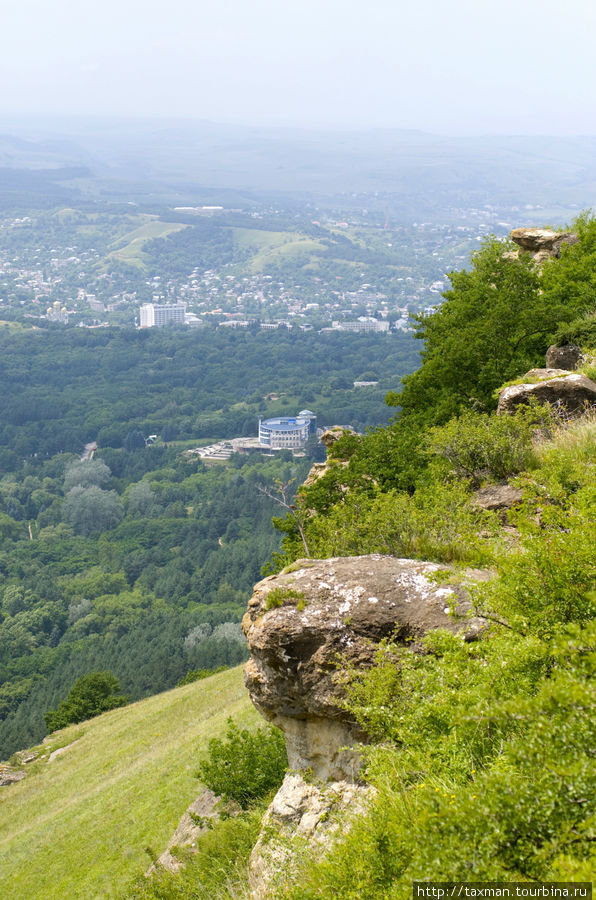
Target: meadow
point(89, 821)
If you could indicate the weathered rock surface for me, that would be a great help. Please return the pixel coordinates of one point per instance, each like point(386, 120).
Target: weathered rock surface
point(497, 497)
point(328, 438)
point(9, 775)
point(303, 818)
point(201, 813)
point(567, 357)
point(329, 611)
point(542, 242)
point(333, 434)
point(570, 392)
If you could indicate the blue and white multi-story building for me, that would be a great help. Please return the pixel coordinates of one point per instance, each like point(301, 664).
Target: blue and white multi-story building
point(287, 432)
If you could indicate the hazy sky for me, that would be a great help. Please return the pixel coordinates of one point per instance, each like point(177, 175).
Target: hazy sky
point(455, 66)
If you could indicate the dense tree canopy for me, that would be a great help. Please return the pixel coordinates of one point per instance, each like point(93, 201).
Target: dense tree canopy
point(495, 323)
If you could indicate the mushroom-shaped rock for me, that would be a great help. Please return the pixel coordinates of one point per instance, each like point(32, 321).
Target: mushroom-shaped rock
point(303, 625)
point(570, 392)
point(332, 435)
point(542, 241)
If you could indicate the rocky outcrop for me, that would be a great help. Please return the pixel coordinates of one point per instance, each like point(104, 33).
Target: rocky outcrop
point(200, 815)
point(329, 438)
point(497, 497)
point(567, 357)
point(302, 624)
point(303, 818)
point(542, 243)
point(10, 775)
point(571, 393)
point(306, 628)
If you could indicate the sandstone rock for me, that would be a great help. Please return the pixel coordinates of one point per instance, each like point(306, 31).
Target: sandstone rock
point(10, 776)
point(303, 818)
point(328, 438)
point(324, 611)
point(498, 498)
point(332, 435)
point(566, 357)
point(570, 392)
point(201, 813)
point(542, 242)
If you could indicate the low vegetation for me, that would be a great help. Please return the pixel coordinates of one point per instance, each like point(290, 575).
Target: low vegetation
point(91, 820)
point(482, 753)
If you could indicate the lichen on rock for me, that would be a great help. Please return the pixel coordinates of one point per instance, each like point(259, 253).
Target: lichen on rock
point(347, 606)
point(570, 392)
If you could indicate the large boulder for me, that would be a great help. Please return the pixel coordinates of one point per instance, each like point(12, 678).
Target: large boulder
point(304, 623)
point(542, 243)
point(569, 392)
point(567, 357)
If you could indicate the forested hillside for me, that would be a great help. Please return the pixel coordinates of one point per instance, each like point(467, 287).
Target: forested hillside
point(140, 560)
point(62, 389)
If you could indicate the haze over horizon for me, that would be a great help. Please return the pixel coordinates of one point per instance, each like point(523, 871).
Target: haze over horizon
point(463, 69)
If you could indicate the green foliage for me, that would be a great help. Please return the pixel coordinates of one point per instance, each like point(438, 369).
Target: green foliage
point(495, 323)
point(581, 331)
point(570, 280)
point(280, 595)
point(134, 440)
point(437, 523)
point(482, 447)
point(245, 766)
point(492, 326)
point(90, 695)
point(483, 760)
point(197, 675)
point(91, 509)
point(86, 473)
point(217, 869)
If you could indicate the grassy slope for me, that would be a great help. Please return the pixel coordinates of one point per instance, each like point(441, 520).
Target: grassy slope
point(132, 252)
point(273, 246)
point(78, 827)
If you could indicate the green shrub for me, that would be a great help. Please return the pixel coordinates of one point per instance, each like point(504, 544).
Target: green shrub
point(198, 675)
point(437, 523)
point(245, 766)
point(480, 446)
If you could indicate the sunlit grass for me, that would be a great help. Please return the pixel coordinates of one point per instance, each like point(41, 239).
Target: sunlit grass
point(78, 827)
